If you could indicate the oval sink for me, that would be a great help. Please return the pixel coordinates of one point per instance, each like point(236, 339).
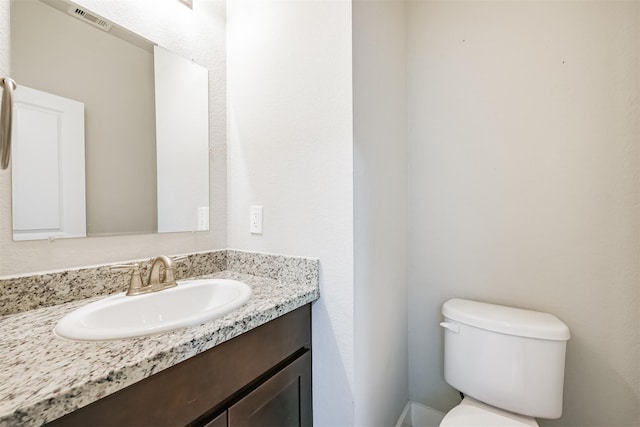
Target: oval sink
point(190, 303)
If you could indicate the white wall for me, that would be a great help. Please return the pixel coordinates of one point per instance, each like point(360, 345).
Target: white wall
point(380, 212)
point(523, 171)
point(198, 34)
point(290, 150)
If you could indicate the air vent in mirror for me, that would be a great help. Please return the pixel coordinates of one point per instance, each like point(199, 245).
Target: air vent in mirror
point(90, 18)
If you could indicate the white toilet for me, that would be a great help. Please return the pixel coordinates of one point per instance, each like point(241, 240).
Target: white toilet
point(508, 363)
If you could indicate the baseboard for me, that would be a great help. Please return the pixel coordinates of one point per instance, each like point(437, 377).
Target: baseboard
point(418, 415)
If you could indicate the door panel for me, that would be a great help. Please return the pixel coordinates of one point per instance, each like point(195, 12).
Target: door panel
point(48, 179)
point(219, 421)
point(284, 400)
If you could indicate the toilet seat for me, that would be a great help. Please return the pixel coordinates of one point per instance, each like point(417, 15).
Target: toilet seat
point(473, 413)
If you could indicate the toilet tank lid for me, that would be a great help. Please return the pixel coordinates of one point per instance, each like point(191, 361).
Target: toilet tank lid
point(506, 320)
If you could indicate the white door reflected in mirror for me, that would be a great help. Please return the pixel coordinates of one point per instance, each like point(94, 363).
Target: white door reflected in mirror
point(48, 180)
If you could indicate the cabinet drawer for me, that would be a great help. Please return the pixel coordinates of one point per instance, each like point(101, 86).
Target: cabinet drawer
point(203, 383)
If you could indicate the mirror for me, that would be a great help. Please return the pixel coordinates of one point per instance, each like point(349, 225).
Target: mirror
point(111, 132)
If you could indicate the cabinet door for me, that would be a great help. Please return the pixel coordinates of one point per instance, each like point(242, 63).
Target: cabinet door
point(219, 421)
point(284, 400)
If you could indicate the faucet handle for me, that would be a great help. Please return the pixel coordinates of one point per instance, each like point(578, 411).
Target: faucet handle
point(124, 267)
point(169, 273)
point(136, 284)
point(169, 278)
point(180, 258)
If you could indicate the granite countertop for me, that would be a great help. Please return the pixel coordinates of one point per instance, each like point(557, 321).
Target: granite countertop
point(44, 377)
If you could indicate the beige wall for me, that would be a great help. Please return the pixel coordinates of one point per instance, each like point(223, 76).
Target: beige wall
point(197, 34)
point(380, 211)
point(114, 80)
point(523, 174)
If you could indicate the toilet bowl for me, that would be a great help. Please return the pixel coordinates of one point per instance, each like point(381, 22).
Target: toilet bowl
point(471, 412)
point(508, 362)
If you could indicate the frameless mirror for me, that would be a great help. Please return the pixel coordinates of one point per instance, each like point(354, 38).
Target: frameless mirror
point(111, 132)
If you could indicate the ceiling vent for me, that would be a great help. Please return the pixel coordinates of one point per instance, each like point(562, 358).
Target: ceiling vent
point(90, 18)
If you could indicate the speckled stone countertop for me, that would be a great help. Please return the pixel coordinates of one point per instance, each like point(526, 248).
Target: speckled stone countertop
point(44, 377)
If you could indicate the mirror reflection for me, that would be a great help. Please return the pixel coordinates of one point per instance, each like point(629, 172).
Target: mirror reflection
point(110, 131)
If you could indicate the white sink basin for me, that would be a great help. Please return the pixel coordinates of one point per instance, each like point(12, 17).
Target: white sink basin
point(190, 303)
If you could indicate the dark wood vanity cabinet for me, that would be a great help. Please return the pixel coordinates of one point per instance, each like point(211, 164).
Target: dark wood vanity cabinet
point(260, 378)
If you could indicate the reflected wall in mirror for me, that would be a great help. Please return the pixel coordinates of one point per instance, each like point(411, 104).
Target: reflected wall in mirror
point(143, 126)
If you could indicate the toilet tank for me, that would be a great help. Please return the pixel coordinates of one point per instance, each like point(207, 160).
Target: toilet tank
point(506, 357)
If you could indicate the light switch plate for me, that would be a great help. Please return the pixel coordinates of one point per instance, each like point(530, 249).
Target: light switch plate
point(203, 218)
